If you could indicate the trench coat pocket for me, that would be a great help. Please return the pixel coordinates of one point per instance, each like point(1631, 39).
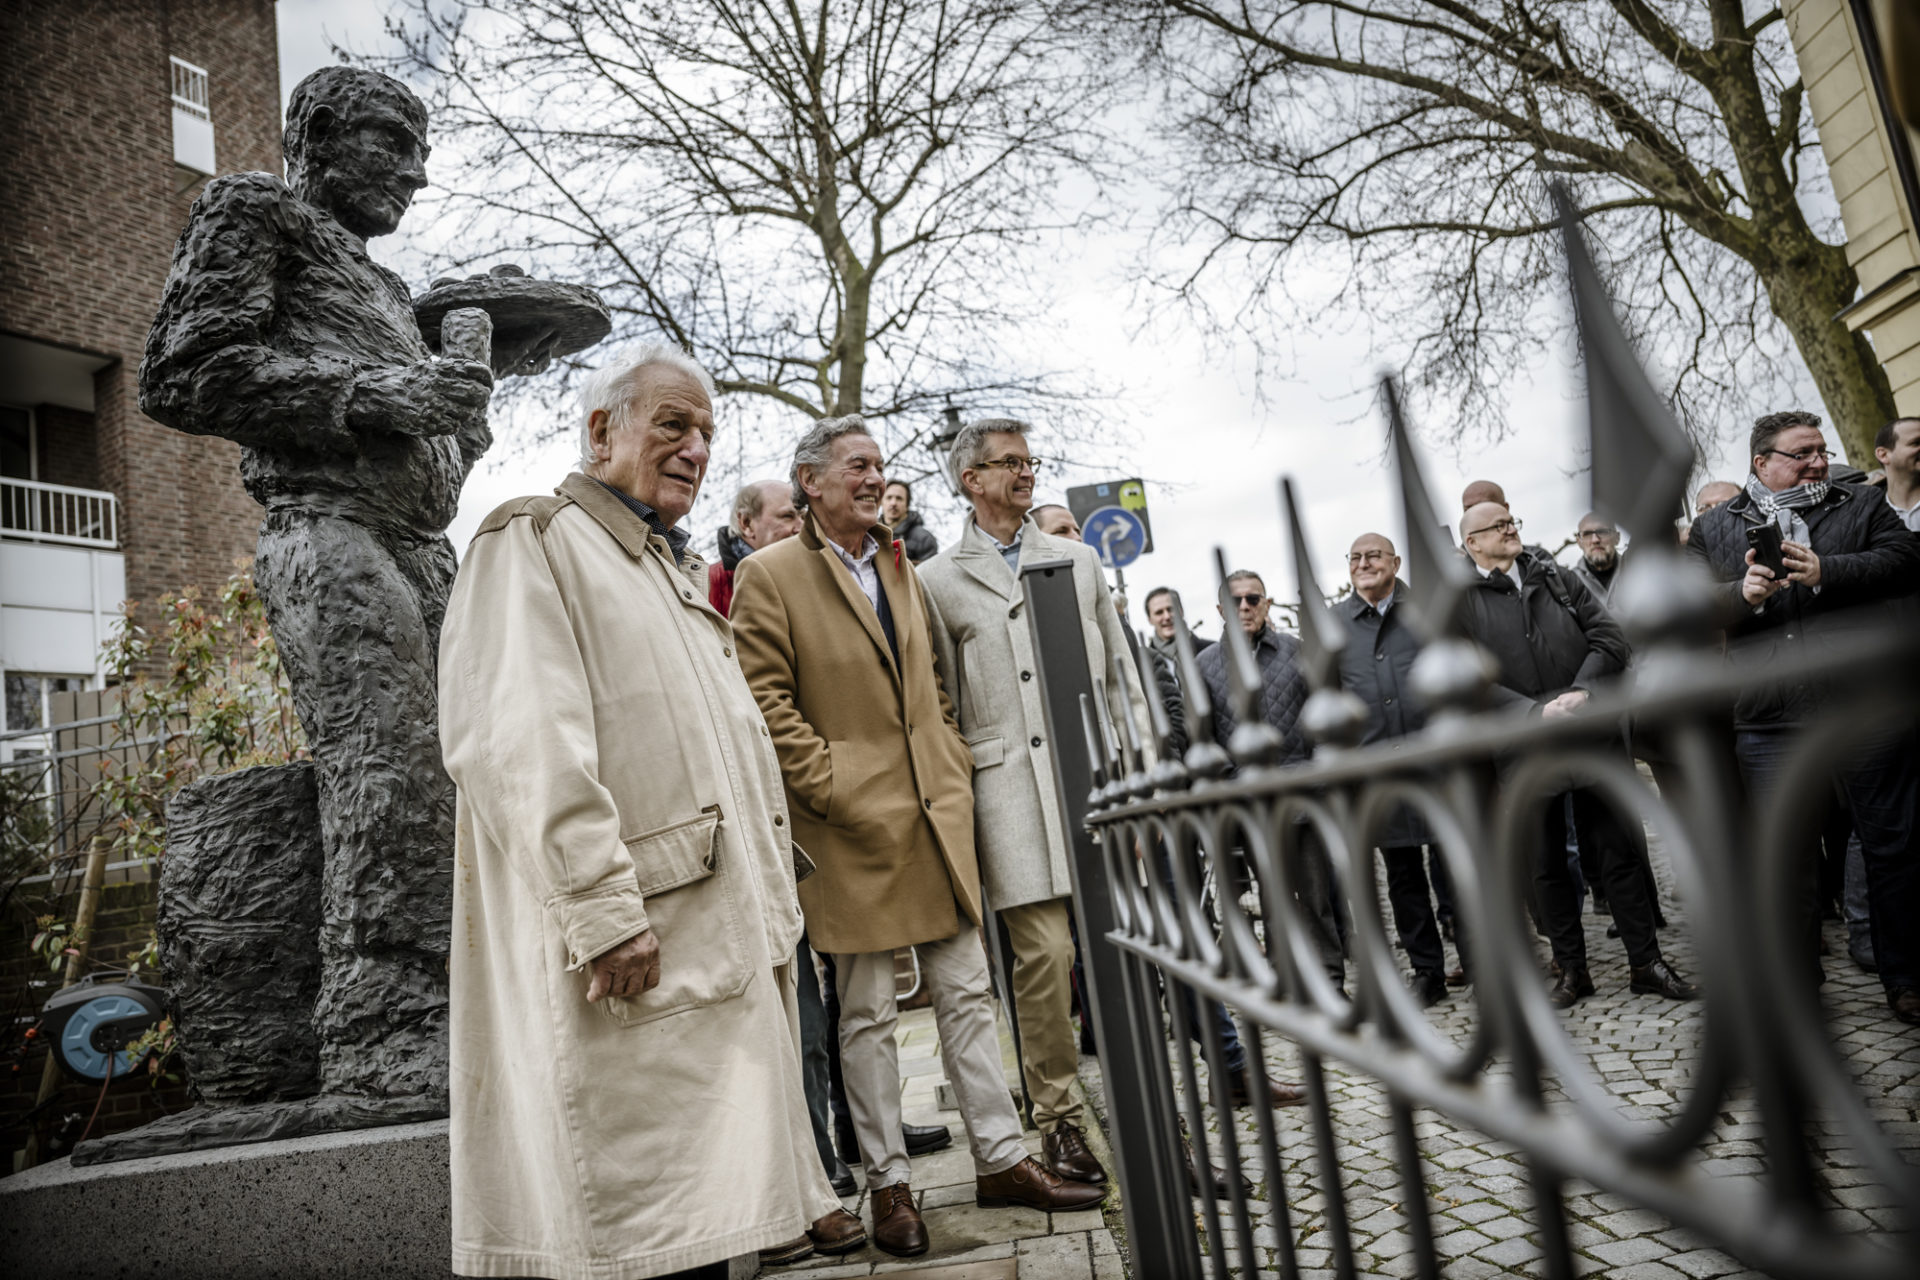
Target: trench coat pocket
point(854, 765)
point(691, 910)
point(988, 749)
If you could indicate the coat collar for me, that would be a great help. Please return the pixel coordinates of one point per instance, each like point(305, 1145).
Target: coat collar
point(812, 538)
point(1355, 605)
point(980, 557)
point(892, 583)
point(628, 529)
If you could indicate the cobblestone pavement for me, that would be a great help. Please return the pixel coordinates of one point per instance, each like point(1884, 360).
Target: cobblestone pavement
point(969, 1243)
point(1644, 1047)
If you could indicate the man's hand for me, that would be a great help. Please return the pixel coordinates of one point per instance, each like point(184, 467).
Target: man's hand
point(1760, 586)
point(433, 398)
point(630, 969)
point(1803, 566)
point(1564, 705)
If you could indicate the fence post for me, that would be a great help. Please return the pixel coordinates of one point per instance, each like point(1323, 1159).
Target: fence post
point(1126, 1023)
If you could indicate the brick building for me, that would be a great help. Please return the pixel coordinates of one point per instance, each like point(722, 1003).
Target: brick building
point(117, 113)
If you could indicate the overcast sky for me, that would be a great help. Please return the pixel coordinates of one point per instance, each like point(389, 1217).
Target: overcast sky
point(1211, 453)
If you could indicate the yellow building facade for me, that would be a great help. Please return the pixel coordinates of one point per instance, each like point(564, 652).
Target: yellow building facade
point(1860, 62)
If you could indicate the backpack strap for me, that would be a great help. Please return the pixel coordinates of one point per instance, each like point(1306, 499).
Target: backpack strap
point(1556, 586)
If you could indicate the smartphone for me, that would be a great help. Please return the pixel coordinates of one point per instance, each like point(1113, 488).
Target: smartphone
point(1765, 540)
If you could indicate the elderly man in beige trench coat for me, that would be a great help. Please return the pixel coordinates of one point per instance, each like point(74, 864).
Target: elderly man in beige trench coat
point(834, 641)
point(986, 662)
point(626, 1095)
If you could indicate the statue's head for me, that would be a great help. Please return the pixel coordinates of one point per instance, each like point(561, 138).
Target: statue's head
point(356, 146)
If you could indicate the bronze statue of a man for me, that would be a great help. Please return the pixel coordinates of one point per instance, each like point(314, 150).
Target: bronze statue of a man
point(278, 332)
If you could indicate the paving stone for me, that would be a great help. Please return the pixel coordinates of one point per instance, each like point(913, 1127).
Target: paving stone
point(1084, 1220)
point(1632, 1222)
point(1510, 1253)
point(837, 1270)
point(978, 1267)
point(1479, 1211)
point(1620, 1253)
point(1059, 1257)
point(1456, 1243)
point(1645, 1271)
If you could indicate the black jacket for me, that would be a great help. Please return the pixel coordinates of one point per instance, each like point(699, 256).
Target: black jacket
point(1549, 636)
point(1283, 691)
point(733, 549)
point(1374, 667)
point(921, 544)
point(1868, 562)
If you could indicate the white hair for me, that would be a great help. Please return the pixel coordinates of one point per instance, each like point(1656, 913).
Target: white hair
point(613, 387)
point(969, 448)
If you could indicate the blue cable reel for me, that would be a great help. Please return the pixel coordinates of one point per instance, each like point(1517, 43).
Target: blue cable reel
point(92, 1024)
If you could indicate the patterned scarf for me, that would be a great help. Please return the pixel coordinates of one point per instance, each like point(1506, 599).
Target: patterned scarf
point(1783, 507)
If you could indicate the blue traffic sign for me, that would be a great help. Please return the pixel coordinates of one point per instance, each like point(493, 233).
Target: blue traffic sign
point(1117, 534)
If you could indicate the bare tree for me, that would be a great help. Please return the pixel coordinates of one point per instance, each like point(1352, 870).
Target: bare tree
point(835, 206)
point(1414, 136)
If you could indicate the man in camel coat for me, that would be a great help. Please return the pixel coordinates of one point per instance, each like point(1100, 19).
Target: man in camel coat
point(834, 641)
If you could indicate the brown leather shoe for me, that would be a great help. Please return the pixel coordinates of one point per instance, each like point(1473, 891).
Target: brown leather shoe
point(1067, 1155)
point(838, 1232)
point(795, 1250)
point(1032, 1184)
point(1905, 1003)
point(897, 1228)
point(1279, 1094)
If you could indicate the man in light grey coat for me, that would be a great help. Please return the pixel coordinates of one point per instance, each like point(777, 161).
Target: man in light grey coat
point(984, 654)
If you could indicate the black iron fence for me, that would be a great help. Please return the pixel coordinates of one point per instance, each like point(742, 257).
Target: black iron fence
point(1163, 842)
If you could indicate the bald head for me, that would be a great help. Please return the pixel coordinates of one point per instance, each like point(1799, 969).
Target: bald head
point(763, 513)
point(1713, 495)
point(1372, 567)
point(1481, 491)
point(1491, 535)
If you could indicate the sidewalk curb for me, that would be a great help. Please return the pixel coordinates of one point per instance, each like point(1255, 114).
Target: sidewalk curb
point(1113, 1212)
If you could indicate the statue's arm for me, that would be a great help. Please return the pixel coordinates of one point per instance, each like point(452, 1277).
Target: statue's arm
point(210, 368)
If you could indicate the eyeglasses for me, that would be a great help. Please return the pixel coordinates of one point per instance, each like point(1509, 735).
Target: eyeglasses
point(1251, 599)
point(1015, 466)
point(1598, 533)
point(1367, 557)
point(1803, 455)
point(1498, 526)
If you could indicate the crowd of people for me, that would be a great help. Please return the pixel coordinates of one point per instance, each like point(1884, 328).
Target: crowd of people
point(701, 807)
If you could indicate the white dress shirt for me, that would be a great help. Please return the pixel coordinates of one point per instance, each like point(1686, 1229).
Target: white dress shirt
point(862, 568)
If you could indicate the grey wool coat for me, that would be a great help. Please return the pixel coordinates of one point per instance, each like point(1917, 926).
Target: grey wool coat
point(983, 651)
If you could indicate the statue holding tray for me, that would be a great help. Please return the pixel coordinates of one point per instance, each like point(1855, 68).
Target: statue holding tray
point(277, 331)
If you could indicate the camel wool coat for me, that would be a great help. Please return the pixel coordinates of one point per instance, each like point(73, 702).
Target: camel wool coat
point(614, 775)
point(984, 650)
point(876, 773)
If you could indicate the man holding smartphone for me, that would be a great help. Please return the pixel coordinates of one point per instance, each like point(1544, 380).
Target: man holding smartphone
point(1803, 562)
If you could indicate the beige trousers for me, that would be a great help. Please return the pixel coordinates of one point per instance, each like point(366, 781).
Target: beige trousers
point(955, 971)
point(1043, 1006)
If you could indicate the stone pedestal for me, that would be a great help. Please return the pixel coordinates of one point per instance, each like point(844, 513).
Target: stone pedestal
point(370, 1202)
point(373, 1202)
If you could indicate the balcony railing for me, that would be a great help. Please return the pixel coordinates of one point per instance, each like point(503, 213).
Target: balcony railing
point(58, 513)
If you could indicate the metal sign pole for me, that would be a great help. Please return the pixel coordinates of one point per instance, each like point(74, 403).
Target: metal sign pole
point(1126, 1023)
